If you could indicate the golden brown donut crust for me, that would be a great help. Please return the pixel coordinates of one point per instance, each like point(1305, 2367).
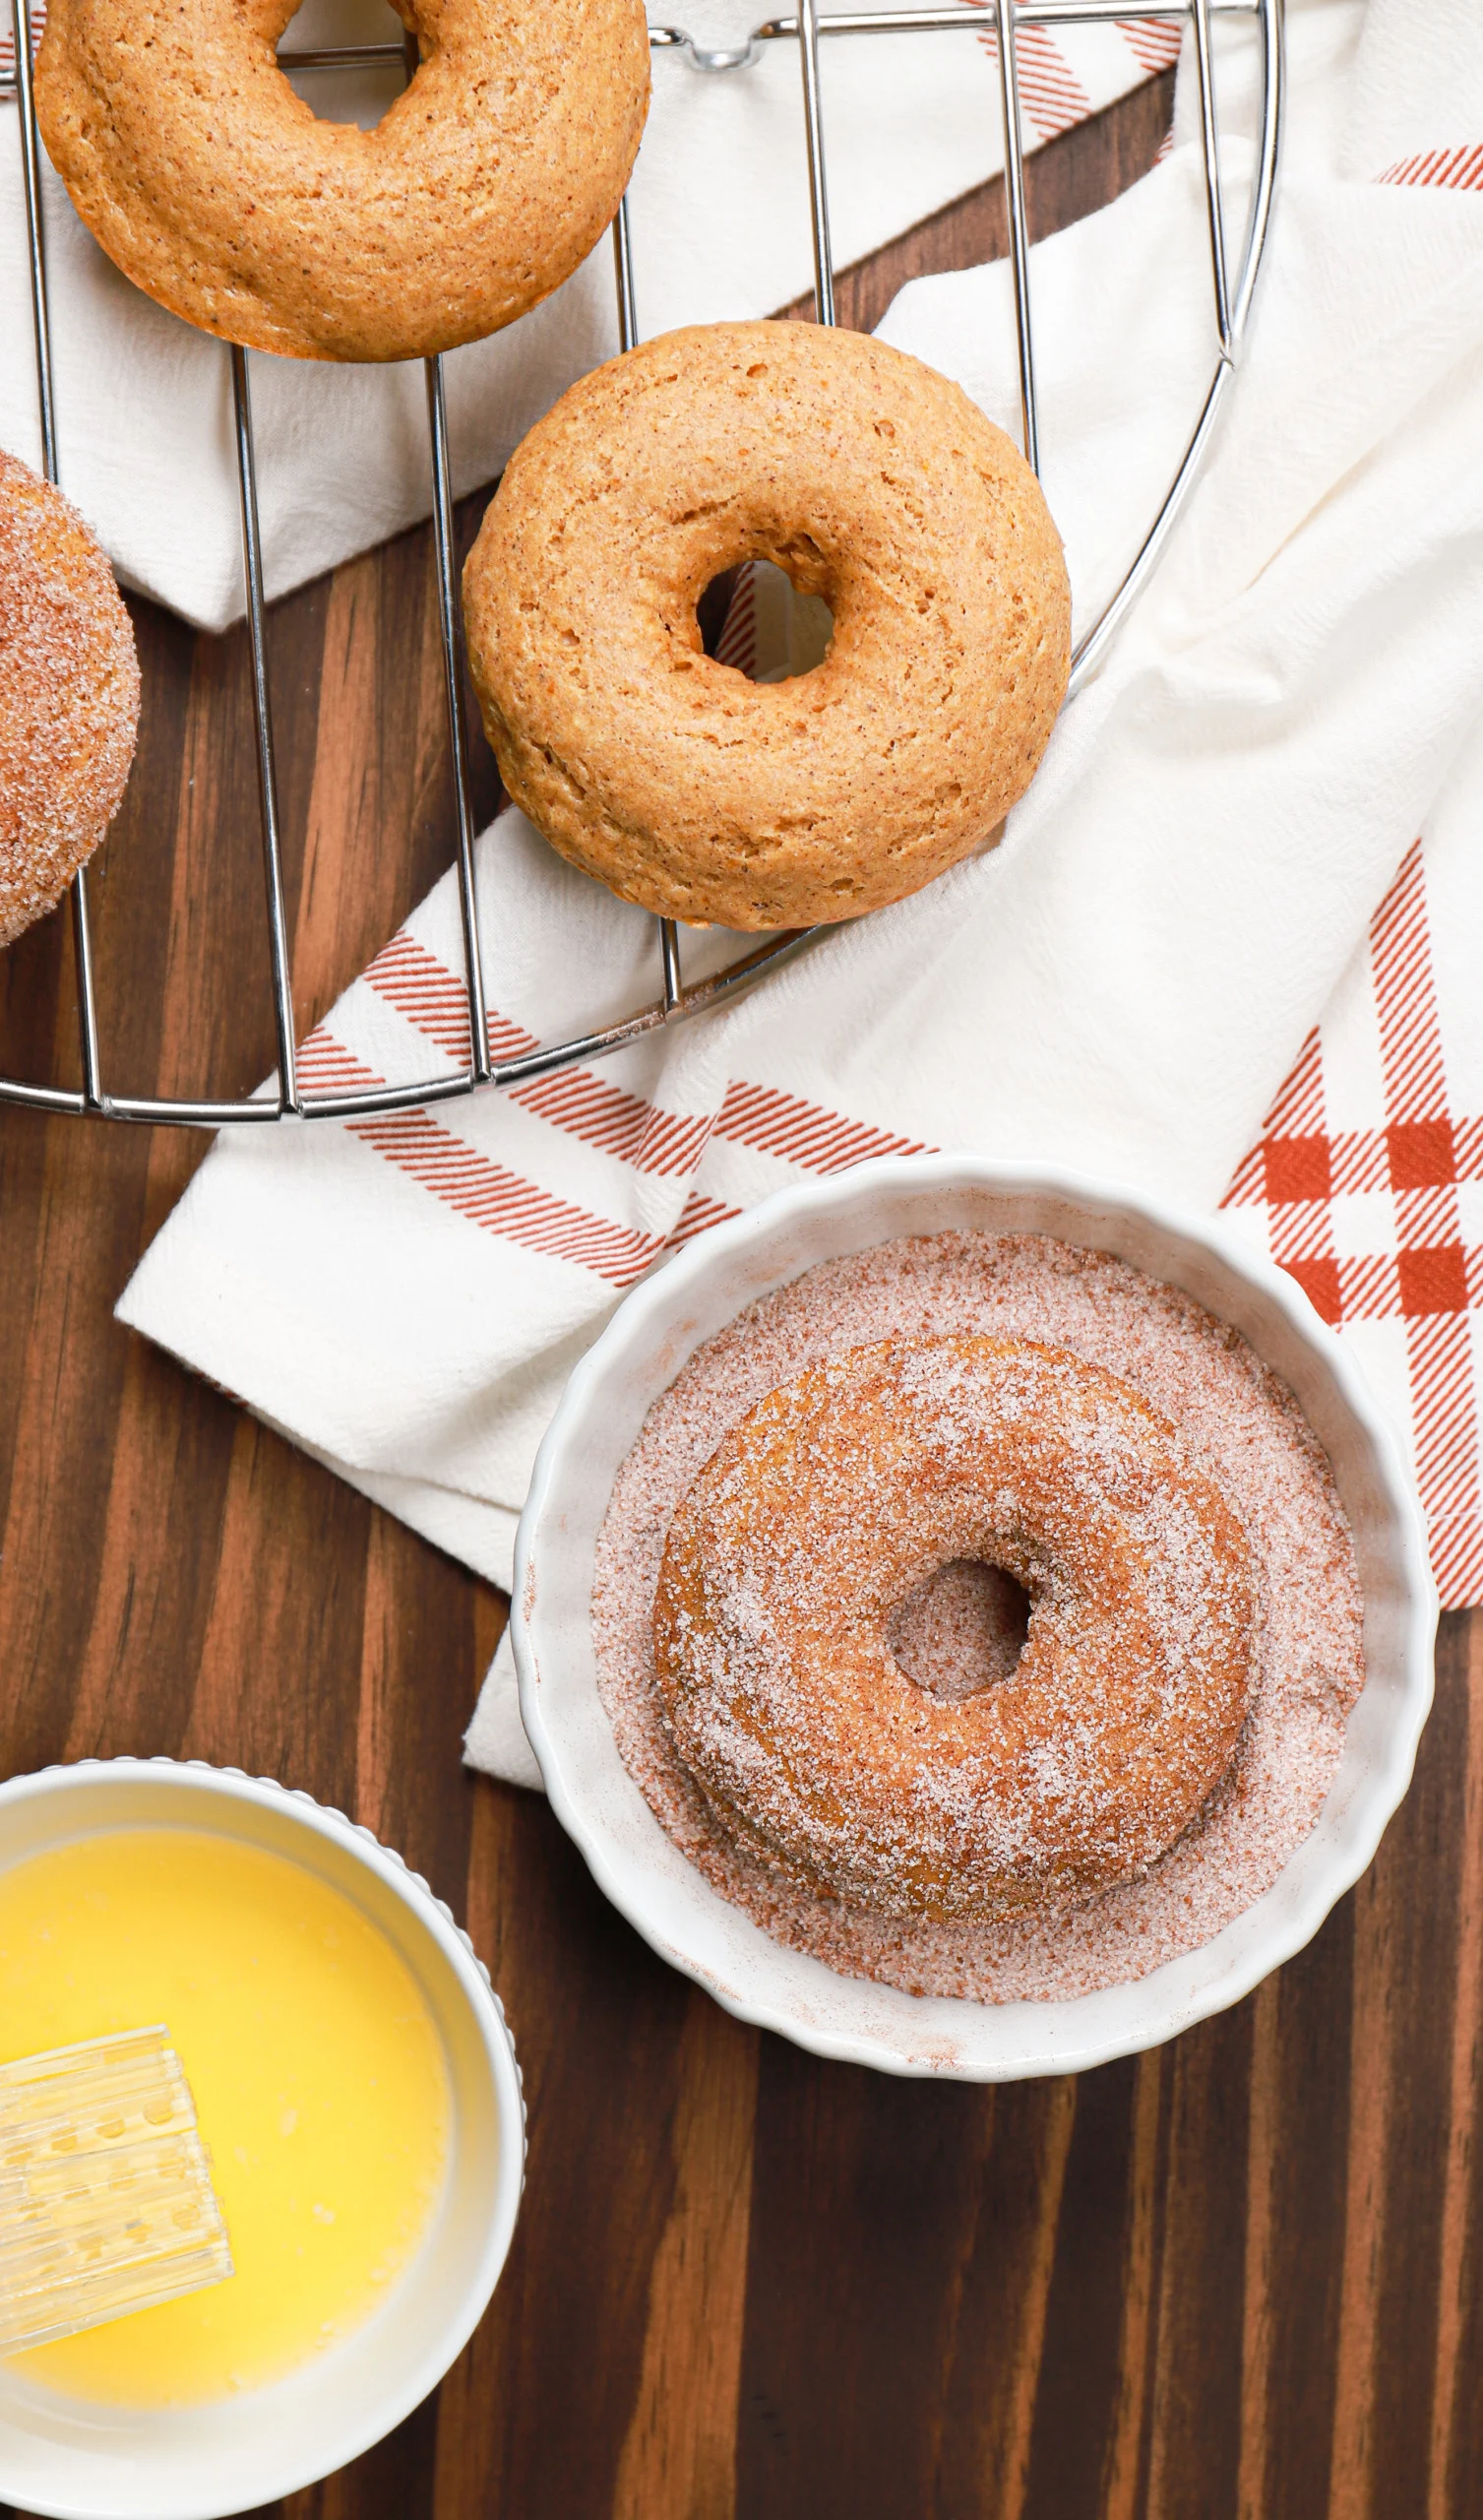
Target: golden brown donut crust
point(220, 193)
point(871, 480)
point(69, 696)
point(828, 1504)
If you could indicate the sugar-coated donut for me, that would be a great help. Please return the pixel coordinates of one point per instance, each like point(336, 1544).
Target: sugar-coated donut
point(828, 1503)
point(873, 483)
point(221, 192)
point(69, 696)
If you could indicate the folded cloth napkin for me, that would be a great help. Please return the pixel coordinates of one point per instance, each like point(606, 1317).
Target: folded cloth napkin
point(1189, 889)
point(720, 226)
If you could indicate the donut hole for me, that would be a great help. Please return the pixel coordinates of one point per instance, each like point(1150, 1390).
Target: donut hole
point(360, 95)
point(961, 1630)
point(755, 619)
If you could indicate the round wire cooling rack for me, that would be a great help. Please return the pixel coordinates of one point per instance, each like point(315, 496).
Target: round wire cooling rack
point(1234, 281)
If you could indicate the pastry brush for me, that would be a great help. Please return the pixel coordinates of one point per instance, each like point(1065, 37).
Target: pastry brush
point(106, 2203)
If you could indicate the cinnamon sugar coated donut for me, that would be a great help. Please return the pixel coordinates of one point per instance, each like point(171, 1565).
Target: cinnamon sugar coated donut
point(219, 191)
point(69, 696)
point(871, 482)
point(959, 1638)
point(830, 1503)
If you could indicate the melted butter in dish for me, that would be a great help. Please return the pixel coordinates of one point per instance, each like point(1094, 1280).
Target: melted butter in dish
point(318, 2074)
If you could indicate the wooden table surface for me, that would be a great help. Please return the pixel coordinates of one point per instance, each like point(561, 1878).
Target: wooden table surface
point(1237, 2278)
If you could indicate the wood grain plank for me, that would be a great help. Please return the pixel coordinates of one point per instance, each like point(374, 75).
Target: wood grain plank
point(147, 1626)
point(679, 2452)
point(1090, 2315)
point(915, 2229)
point(278, 1523)
point(216, 1015)
point(535, 2415)
point(1308, 2170)
point(1194, 2412)
point(1371, 2102)
point(420, 1660)
point(1125, 2456)
point(379, 811)
point(1012, 2483)
point(1455, 2382)
point(345, 875)
point(866, 2194)
point(1458, 1660)
point(1259, 2378)
point(1420, 1922)
point(1397, 2085)
point(65, 1402)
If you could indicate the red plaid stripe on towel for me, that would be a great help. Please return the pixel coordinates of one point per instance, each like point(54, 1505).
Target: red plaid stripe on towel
point(1366, 1185)
point(8, 40)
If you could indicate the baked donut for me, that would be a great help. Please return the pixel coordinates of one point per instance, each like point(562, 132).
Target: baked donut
point(220, 192)
point(828, 1503)
point(870, 480)
point(69, 696)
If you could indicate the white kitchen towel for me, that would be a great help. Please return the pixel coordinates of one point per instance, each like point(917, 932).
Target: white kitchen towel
point(720, 227)
point(1124, 983)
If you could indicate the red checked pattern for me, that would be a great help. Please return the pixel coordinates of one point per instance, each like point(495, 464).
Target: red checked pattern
point(8, 39)
point(1422, 1275)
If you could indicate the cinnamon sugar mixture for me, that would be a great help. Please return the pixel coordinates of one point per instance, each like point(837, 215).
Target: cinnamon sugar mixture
point(962, 1628)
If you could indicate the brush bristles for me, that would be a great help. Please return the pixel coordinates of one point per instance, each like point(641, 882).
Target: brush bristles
point(106, 2203)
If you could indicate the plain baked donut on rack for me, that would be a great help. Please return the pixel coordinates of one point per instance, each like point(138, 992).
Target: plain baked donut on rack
point(870, 480)
point(822, 1510)
point(214, 188)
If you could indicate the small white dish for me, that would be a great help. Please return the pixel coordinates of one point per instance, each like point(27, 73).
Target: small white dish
point(75, 2461)
point(650, 1337)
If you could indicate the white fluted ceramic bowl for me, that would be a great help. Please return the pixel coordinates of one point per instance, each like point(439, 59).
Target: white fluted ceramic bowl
point(651, 1335)
point(77, 2462)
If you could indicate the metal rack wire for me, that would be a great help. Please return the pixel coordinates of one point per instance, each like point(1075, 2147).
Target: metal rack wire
point(1234, 281)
